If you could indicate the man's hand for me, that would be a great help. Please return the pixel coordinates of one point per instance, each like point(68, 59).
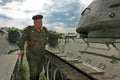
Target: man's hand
point(21, 53)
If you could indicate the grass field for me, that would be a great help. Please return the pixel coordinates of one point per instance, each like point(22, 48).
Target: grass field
point(24, 71)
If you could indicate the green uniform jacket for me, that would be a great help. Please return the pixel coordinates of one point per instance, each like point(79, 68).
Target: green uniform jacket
point(40, 38)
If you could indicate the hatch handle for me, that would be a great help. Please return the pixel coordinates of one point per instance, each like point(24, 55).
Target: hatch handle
point(85, 10)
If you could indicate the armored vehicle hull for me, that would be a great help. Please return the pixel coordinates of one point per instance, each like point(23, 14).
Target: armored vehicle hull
point(97, 60)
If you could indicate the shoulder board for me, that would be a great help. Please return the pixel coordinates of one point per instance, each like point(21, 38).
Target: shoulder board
point(44, 28)
point(28, 27)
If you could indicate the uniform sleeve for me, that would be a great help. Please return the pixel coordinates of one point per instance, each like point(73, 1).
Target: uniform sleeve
point(23, 39)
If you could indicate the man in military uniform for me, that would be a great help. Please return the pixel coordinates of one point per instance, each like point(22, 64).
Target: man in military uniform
point(36, 37)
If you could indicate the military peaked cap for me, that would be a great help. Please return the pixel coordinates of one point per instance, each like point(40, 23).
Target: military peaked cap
point(37, 17)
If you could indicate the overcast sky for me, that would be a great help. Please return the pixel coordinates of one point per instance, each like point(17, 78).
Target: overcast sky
point(59, 15)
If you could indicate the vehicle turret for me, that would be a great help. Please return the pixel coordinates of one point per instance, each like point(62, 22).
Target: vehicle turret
point(100, 19)
point(8, 41)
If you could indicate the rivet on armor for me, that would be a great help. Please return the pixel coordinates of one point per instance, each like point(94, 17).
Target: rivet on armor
point(111, 14)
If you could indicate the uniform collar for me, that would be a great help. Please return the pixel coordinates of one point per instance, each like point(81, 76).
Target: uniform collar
point(38, 30)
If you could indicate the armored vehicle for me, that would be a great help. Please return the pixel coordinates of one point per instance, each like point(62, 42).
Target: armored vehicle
point(93, 53)
point(9, 60)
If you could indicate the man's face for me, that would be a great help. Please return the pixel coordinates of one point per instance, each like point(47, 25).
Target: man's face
point(38, 23)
